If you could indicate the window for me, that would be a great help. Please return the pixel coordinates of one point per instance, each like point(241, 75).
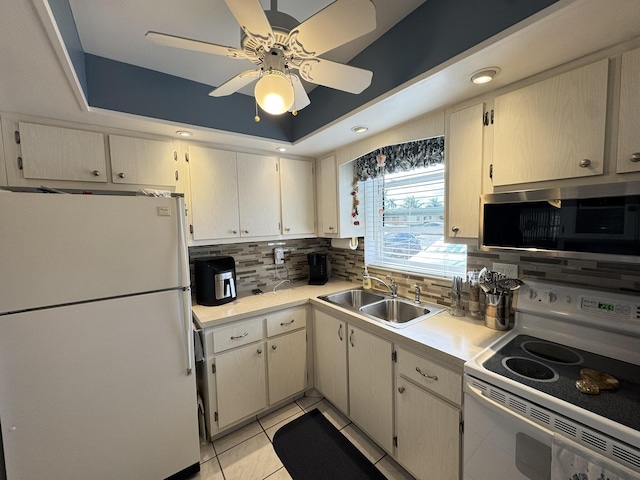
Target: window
point(404, 215)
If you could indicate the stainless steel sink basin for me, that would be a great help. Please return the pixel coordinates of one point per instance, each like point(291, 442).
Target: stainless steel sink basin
point(353, 299)
point(399, 313)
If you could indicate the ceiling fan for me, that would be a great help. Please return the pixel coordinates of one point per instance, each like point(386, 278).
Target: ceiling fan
point(285, 51)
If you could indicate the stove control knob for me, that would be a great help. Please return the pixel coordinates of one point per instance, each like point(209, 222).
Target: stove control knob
point(532, 294)
point(551, 297)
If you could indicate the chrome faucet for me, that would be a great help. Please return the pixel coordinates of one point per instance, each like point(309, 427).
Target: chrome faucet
point(393, 288)
point(416, 290)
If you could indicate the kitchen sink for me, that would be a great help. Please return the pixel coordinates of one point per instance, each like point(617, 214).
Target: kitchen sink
point(394, 312)
point(353, 299)
point(399, 313)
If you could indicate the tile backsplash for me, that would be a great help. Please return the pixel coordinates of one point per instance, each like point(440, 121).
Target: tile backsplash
point(255, 268)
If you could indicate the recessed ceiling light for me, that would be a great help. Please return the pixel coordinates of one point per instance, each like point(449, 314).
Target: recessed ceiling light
point(281, 149)
point(485, 75)
point(360, 129)
point(184, 133)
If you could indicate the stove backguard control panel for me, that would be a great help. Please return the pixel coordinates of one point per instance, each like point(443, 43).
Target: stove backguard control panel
point(580, 303)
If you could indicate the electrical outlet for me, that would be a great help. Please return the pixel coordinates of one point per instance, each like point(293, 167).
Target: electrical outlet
point(278, 255)
point(510, 271)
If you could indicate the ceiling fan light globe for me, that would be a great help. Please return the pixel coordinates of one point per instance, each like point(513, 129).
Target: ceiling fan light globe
point(274, 93)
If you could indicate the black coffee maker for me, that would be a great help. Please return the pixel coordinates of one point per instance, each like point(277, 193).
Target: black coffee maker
point(215, 280)
point(319, 268)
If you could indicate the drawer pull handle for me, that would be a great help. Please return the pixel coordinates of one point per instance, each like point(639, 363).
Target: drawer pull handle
point(401, 389)
point(282, 324)
point(239, 336)
point(351, 339)
point(635, 157)
point(432, 377)
point(340, 332)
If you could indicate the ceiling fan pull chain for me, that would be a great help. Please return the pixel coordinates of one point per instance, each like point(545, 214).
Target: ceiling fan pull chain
point(257, 117)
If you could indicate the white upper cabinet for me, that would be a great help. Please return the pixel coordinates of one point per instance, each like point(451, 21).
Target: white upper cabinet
point(464, 172)
point(552, 129)
point(297, 192)
point(328, 196)
point(140, 161)
point(629, 126)
point(259, 195)
point(214, 193)
point(54, 153)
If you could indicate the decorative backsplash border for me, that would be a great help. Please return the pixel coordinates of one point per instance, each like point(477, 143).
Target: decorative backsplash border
point(255, 268)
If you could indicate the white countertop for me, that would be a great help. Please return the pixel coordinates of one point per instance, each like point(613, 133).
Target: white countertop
point(452, 340)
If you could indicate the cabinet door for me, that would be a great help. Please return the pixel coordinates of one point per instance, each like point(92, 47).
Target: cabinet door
point(214, 193)
point(464, 172)
point(287, 365)
point(330, 363)
point(240, 383)
point(553, 129)
point(371, 385)
point(53, 153)
point(428, 431)
point(140, 161)
point(629, 127)
point(296, 187)
point(327, 196)
point(258, 195)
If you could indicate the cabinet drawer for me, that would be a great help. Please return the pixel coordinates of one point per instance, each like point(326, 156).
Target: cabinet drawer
point(430, 375)
point(286, 321)
point(237, 334)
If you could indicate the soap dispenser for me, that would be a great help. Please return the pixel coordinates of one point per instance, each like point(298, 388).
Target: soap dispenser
point(366, 281)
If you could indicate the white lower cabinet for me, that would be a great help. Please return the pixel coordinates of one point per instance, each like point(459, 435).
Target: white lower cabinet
point(330, 359)
point(252, 365)
point(240, 383)
point(287, 365)
point(371, 385)
point(428, 438)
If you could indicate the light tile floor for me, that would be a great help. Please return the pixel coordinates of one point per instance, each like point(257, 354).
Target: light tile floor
point(247, 453)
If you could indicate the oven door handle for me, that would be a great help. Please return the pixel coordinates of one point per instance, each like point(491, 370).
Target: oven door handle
point(487, 402)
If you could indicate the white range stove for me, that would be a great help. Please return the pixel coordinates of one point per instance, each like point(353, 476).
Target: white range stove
point(525, 418)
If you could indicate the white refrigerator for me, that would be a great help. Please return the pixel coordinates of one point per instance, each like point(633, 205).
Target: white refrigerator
point(96, 362)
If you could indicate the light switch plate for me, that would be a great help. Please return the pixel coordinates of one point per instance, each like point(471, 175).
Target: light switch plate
point(509, 270)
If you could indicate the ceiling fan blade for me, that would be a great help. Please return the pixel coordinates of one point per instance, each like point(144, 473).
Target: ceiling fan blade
point(194, 45)
point(335, 75)
point(235, 84)
point(335, 25)
point(253, 20)
point(300, 97)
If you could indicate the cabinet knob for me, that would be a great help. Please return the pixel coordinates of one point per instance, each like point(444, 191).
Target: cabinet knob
point(96, 173)
point(455, 230)
point(245, 231)
point(401, 389)
point(273, 347)
point(585, 163)
point(635, 157)
point(287, 229)
point(235, 232)
point(259, 351)
point(331, 228)
point(121, 175)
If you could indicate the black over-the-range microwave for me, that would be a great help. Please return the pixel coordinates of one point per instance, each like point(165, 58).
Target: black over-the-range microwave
point(586, 221)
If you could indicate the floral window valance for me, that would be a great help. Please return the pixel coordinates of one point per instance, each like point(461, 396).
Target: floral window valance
point(400, 157)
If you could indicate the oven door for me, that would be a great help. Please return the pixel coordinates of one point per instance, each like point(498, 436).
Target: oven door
point(499, 444)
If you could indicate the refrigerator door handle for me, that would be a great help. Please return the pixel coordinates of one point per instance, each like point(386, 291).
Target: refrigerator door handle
point(185, 281)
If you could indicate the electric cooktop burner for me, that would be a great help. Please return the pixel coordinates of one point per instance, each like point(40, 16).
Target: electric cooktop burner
point(553, 369)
